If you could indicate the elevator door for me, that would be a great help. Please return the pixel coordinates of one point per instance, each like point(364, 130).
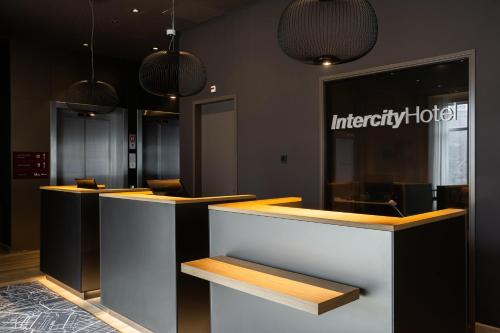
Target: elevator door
point(160, 148)
point(218, 149)
point(89, 147)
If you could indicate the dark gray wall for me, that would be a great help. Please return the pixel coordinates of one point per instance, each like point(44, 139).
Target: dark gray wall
point(278, 102)
point(5, 142)
point(40, 73)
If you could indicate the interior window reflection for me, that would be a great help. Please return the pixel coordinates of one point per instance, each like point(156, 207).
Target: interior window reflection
point(397, 142)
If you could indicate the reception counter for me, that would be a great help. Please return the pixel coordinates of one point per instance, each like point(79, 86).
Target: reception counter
point(144, 239)
point(275, 267)
point(69, 243)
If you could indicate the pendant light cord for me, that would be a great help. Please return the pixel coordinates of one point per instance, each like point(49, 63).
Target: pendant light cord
point(91, 4)
point(173, 26)
point(173, 14)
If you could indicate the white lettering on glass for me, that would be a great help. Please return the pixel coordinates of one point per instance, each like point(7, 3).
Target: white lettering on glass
point(396, 119)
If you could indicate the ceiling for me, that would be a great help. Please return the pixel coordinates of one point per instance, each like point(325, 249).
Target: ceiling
point(119, 32)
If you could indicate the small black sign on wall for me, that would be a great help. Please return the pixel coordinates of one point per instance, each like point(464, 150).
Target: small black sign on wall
point(30, 165)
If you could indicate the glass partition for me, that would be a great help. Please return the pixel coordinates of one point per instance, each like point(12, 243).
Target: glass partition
point(397, 142)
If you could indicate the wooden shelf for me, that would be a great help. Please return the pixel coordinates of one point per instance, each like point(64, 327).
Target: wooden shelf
point(298, 291)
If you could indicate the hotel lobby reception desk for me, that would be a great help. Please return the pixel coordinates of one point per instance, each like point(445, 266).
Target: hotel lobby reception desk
point(144, 239)
point(410, 272)
point(69, 237)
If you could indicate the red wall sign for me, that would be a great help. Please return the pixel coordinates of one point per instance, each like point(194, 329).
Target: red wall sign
point(30, 165)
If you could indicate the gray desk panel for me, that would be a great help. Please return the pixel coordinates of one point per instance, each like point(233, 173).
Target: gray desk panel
point(357, 257)
point(139, 235)
point(61, 237)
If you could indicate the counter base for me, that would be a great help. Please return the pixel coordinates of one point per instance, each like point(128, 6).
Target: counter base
point(82, 295)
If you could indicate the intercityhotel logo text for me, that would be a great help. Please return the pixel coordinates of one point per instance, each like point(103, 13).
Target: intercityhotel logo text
point(395, 119)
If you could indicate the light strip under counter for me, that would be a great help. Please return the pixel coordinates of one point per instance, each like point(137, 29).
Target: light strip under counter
point(289, 208)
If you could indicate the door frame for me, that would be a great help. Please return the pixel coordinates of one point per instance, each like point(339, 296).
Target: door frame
point(470, 55)
point(196, 138)
point(57, 105)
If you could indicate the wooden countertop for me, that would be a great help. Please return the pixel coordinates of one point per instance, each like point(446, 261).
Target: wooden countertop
point(287, 208)
point(148, 196)
point(301, 292)
point(74, 189)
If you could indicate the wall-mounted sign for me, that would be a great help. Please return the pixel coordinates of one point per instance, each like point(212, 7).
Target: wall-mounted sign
point(30, 165)
point(132, 141)
point(395, 119)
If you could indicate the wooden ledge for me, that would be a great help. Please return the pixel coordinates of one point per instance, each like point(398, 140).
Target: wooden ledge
point(298, 291)
point(148, 196)
point(288, 208)
point(102, 189)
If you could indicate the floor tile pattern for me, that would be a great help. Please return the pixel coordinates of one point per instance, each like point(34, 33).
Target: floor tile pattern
point(33, 308)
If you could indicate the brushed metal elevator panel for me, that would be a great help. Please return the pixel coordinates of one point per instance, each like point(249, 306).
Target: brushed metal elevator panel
point(71, 151)
point(161, 148)
point(88, 147)
point(357, 257)
point(98, 150)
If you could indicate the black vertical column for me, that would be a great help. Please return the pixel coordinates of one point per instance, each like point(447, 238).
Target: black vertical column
point(133, 105)
point(5, 148)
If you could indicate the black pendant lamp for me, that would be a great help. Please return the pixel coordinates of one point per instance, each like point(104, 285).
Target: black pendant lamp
point(100, 95)
point(326, 32)
point(172, 73)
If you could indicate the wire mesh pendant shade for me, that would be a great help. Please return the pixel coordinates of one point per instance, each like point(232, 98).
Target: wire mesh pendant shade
point(328, 31)
point(100, 95)
point(172, 73)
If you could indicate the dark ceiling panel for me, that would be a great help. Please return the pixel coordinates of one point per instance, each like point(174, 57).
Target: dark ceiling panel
point(119, 33)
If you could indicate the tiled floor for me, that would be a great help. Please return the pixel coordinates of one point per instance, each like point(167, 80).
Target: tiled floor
point(93, 306)
point(23, 268)
point(33, 308)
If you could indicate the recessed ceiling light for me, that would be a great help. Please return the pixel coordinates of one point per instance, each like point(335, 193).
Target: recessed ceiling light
point(85, 44)
point(173, 97)
point(155, 48)
point(136, 10)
